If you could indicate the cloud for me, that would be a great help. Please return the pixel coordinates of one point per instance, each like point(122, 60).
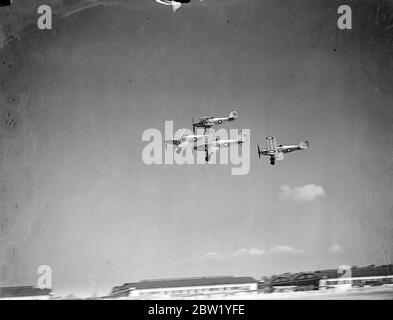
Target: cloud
point(335, 248)
point(213, 255)
point(248, 252)
point(283, 250)
point(308, 192)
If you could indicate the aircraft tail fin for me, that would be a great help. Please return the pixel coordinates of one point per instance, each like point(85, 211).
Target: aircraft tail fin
point(304, 144)
point(233, 115)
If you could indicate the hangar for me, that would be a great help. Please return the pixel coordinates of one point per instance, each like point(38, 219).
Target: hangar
point(185, 287)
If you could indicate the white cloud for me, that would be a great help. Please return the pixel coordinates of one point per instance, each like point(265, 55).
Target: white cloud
point(213, 255)
point(308, 192)
point(335, 248)
point(283, 250)
point(248, 252)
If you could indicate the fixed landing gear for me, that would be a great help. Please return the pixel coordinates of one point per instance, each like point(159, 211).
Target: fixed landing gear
point(208, 157)
point(272, 161)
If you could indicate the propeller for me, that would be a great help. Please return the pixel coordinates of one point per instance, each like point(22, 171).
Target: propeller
point(259, 152)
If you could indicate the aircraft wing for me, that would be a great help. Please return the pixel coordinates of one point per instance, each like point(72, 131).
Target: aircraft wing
point(206, 122)
point(288, 149)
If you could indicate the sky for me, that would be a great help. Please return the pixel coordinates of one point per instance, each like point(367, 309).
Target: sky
point(79, 198)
